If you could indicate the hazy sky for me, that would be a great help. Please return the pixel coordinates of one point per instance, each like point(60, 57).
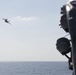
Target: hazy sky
point(34, 30)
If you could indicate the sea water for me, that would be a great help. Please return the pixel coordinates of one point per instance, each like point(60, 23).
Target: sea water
point(34, 68)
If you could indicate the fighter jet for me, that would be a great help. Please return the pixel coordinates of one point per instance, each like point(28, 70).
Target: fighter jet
point(6, 20)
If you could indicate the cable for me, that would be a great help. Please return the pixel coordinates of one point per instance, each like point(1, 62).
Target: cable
point(66, 35)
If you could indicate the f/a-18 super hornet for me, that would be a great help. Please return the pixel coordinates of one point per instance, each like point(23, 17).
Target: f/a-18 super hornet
point(6, 20)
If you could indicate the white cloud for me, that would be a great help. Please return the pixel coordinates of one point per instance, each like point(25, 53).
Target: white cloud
point(20, 18)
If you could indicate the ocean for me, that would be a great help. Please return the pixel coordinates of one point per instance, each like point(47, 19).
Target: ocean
point(34, 68)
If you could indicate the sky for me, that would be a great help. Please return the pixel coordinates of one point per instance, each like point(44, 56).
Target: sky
point(33, 32)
